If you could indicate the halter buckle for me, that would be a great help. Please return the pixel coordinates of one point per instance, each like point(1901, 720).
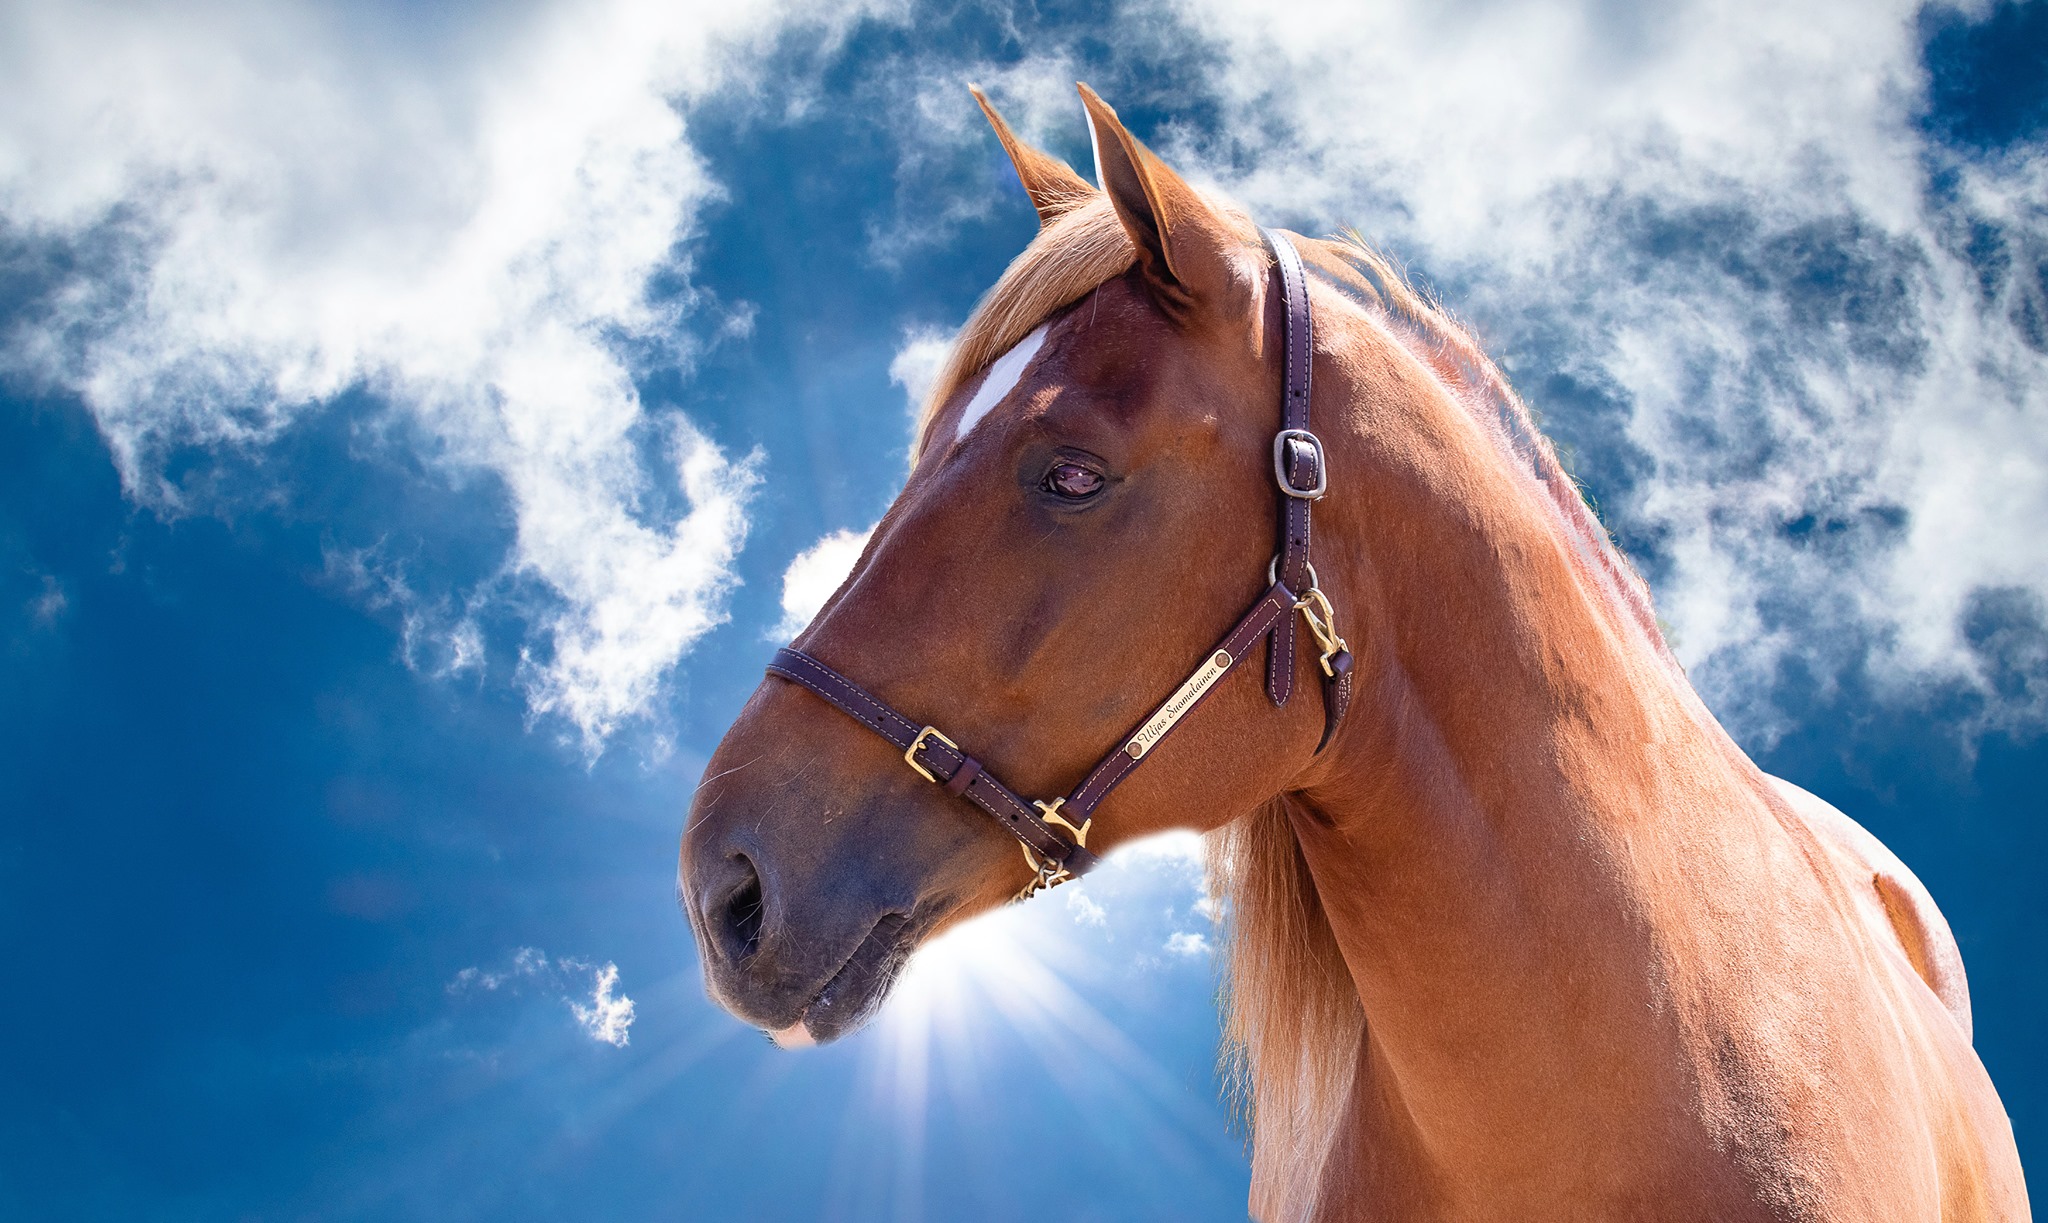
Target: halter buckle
point(917, 744)
point(1322, 621)
point(1286, 482)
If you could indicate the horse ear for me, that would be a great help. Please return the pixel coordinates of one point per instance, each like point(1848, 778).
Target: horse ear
point(1184, 246)
point(1051, 183)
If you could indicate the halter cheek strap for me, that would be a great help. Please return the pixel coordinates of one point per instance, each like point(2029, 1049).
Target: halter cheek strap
point(1054, 834)
point(1302, 472)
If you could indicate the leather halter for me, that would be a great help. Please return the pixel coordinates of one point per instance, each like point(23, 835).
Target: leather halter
point(1055, 834)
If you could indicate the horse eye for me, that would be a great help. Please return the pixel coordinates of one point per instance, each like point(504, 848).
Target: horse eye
point(1072, 481)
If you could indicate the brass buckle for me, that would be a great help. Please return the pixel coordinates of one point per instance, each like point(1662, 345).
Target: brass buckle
point(1051, 813)
point(910, 753)
point(1322, 621)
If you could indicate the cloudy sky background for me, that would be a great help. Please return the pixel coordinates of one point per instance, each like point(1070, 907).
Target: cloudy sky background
point(416, 421)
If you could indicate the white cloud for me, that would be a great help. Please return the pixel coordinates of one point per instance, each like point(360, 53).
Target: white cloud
point(938, 130)
point(525, 962)
point(1179, 853)
point(434, 637)
point(268, 205)
point(50, 604)
point(1087, 912)
point(916, 365)
point(608, 1018)
point(272, 204)
point(812, 578)
point(1188, 943)
point(1714, 220)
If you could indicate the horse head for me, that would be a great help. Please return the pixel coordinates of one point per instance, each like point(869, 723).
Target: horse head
point(1090, 507)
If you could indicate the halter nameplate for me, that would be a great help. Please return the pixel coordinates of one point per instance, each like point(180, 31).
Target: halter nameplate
point(1179, 703)
point(1301, 471)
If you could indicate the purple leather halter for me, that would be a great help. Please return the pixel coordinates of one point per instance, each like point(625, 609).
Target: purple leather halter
point(1055, 834)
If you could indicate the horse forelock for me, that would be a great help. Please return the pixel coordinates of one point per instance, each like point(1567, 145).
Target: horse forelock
point(1078, 253)
point(1070, 258)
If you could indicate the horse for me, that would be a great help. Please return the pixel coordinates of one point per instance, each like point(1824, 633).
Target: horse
point(1515, 929)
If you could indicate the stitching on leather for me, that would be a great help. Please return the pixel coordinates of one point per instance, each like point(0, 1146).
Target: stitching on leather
point(830, 698)
point(1278, 681)
point(1030, 821)
point(1255, 626)
point(838, 701)
point(975, 789)
point(992, 787)
point(1011, 799)
point(851, 690)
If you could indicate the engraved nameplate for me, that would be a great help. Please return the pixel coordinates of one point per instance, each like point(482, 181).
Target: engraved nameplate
point(1179, 703)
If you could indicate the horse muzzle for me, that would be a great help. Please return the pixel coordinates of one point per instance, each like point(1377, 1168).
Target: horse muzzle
point(806, 963)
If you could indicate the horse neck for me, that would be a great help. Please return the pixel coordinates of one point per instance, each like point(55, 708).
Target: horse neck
point(1522, 770)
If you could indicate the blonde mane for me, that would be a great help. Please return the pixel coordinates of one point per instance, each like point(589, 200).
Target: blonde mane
point(1292, 1021)
point(1454, 355)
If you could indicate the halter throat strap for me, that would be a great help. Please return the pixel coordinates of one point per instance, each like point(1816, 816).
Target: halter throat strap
point(1054, 834)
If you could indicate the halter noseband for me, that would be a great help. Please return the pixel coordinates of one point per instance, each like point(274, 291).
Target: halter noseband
point(1055, 834)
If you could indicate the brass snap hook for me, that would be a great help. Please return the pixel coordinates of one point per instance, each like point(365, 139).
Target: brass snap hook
point(1322, 621)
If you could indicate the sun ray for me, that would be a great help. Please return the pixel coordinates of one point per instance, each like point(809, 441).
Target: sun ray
point(1023, 992)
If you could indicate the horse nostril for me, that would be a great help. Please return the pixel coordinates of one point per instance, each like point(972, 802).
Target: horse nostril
point(743, 916)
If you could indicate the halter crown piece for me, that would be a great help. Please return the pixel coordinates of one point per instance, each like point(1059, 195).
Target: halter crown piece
point(1054, 834)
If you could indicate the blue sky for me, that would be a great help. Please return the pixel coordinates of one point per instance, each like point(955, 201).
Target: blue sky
point(410, 414)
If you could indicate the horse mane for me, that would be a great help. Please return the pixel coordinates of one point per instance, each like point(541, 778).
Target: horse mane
point(1292, 1021)
point(1452, 353)
point(1292, 1025)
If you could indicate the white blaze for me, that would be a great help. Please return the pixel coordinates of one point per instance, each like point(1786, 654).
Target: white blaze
point(1001, 380)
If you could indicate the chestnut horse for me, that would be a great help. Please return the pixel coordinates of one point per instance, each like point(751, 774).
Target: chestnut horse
point(1529, 938)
